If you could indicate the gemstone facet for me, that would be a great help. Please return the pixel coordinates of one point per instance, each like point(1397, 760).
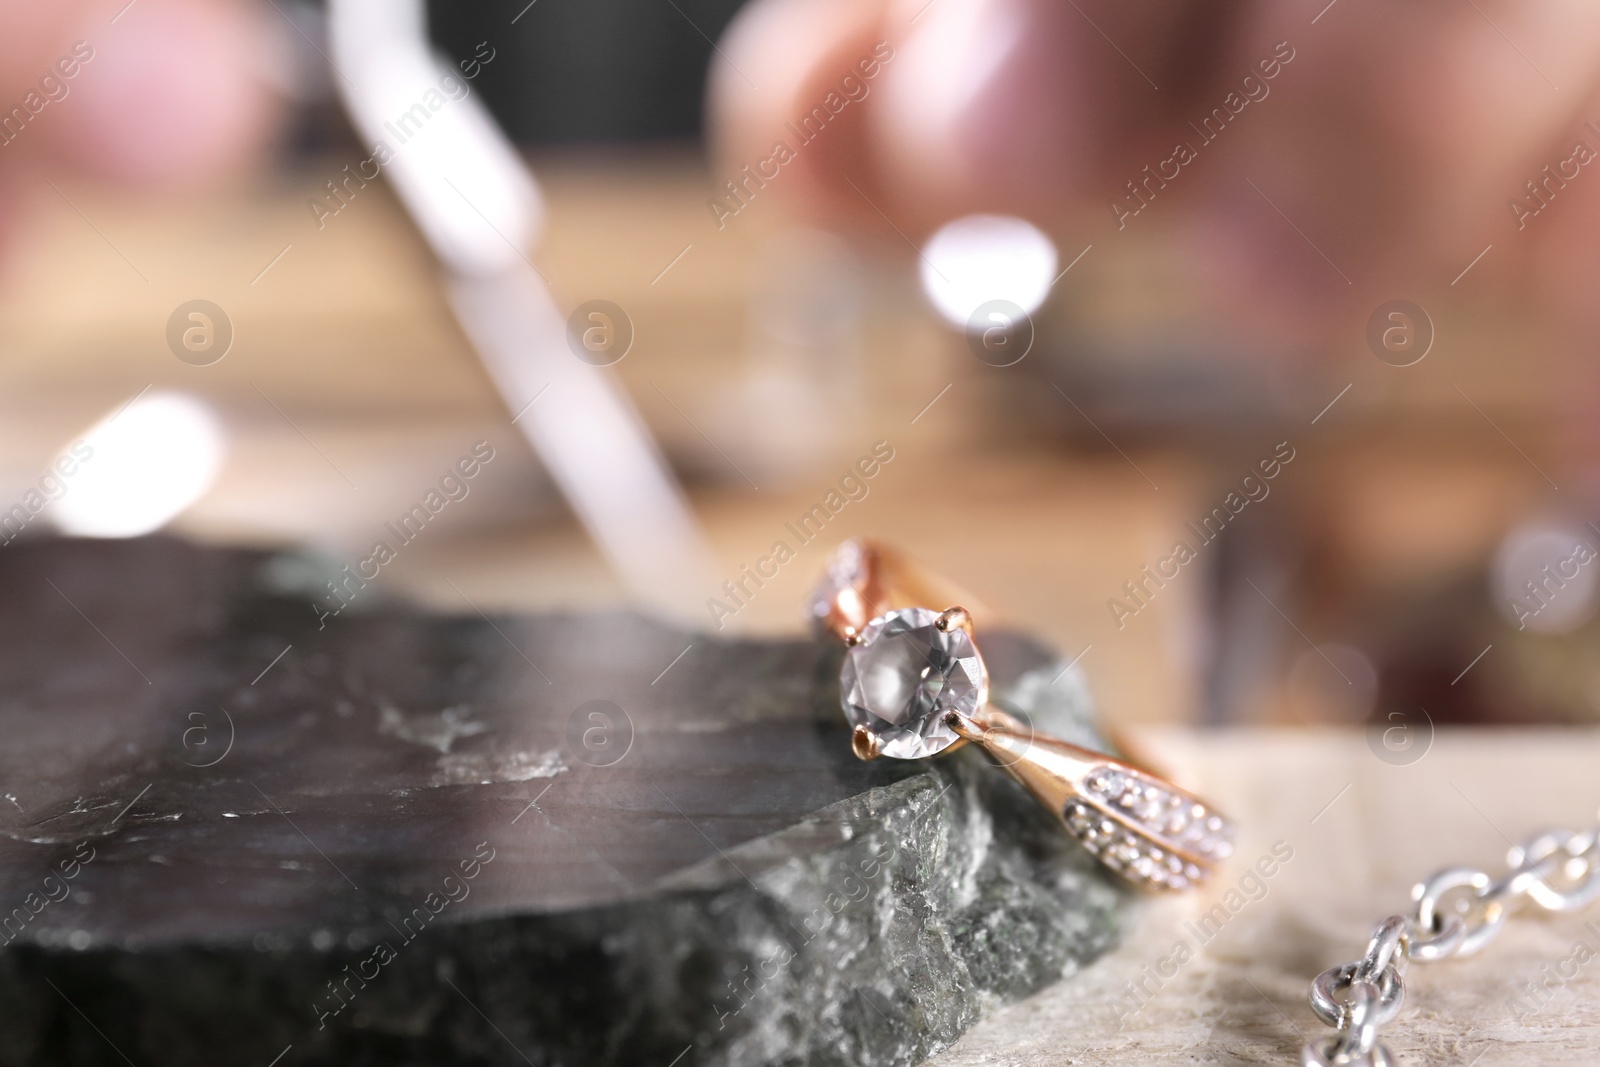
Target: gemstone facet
point(904, 675)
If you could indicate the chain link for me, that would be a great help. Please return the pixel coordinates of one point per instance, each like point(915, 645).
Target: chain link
point(1457, 912)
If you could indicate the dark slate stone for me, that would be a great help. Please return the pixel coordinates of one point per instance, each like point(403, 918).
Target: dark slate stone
point(405, 840)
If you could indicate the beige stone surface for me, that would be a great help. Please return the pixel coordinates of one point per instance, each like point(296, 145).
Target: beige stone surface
point(1362, 831)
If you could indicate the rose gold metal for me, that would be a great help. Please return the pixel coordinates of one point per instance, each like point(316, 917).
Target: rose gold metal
point(1153, 833)
point(865, 744)
point(889, 582)
point(1142, 838)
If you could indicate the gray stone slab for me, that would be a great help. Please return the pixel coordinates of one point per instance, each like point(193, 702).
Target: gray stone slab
point(232, 830)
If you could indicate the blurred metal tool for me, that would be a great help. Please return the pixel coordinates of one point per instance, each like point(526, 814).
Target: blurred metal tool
point(479, 208)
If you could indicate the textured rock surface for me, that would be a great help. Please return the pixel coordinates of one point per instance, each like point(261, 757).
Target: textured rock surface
point(229, 834)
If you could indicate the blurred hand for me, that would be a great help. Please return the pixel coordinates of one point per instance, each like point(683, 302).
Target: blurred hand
point(169, 95)
point(1394, 140)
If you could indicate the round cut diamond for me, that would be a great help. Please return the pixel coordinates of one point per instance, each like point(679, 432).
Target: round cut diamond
point(904, 676)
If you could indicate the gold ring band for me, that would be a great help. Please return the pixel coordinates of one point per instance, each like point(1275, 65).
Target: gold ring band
point(914, 685)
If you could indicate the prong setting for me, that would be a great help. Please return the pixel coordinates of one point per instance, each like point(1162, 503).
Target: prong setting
point(965, 727)
point(865, 744)
point(952, 619)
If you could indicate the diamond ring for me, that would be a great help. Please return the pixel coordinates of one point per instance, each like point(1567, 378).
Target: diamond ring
point(914, 685)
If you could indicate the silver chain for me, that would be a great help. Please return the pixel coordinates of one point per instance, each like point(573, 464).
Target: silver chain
point(1458, 911)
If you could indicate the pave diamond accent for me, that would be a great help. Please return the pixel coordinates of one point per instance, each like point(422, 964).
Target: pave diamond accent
point(904, 676)
point(846, 570)
point(1131, 855)
point(1166, 821)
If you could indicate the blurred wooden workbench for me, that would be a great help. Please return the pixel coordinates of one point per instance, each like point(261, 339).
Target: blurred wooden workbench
point(349, 389)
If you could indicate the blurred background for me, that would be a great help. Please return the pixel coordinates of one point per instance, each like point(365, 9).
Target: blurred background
point(1304, 290)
